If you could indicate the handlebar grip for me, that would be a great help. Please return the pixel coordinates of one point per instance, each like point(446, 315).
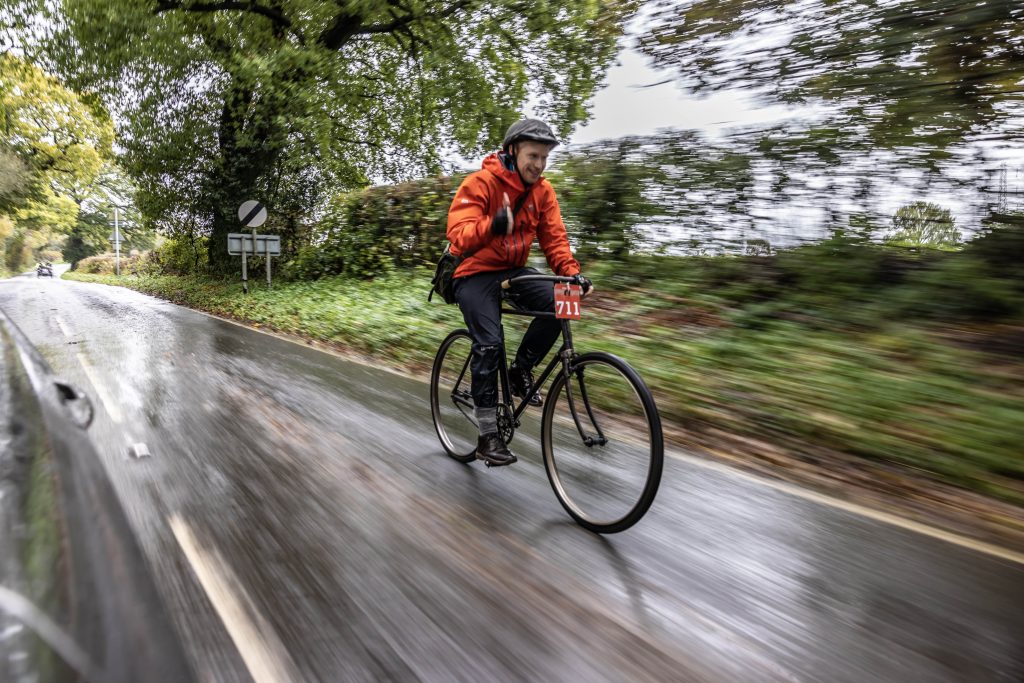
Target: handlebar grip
point(507, 284)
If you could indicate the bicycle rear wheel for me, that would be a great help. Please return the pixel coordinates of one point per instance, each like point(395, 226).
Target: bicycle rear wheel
point(602, 443)
point(451, 402)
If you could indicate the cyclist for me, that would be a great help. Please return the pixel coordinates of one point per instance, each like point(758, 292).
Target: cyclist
point(494, 240)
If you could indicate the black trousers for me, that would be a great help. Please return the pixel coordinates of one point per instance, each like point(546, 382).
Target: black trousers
point(479, 296)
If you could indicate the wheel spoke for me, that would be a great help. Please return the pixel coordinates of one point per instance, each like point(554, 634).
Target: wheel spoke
point(450, 401)
point(607, 481)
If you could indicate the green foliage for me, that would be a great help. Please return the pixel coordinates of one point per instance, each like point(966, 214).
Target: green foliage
point(49, 127)
point(610, 189)
point(1001, 245)
point(923, 225)
point(603, 197)
point(87, 238)
point(53, 146)
point(181, 255)
point(17, 254)
point(761, 347)
point(106, 264)
point(984, 282)
point(894, 74)
point(606, 191)
point(100, 264)
point(15, 180)
point(6, 231)
point(288, 101)
point(844, 282)
point(375, 231)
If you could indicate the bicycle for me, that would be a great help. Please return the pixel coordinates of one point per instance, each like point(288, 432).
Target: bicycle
point(604, 474)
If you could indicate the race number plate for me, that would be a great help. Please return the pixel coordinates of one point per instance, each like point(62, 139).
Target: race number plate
point(567, 301)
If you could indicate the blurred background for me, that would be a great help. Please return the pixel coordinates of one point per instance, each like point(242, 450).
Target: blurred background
point(807, 215)
point(805, 219)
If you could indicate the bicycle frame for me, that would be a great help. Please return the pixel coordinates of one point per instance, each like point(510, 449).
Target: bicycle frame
point(564, 357)
point(594, 386)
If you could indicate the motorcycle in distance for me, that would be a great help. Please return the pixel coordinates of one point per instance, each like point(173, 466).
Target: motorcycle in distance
point(44, 270)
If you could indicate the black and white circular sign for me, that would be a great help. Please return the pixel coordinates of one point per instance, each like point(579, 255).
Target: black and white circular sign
point(252, 214)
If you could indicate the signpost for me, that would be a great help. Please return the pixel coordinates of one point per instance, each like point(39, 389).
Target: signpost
point(253, 214)
point(115, 237)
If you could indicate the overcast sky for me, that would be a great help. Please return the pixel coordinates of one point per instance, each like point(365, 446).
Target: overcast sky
point(626, 107)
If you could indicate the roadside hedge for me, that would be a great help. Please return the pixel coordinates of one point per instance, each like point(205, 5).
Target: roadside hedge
point(376, 231)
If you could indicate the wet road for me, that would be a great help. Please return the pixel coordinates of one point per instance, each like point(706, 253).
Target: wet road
point(303, 523)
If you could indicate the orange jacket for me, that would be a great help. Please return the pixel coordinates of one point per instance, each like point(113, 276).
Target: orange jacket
point(477, 200)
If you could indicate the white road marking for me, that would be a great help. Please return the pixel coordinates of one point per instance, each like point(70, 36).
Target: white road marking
point(263, 653)
point(792, 489)
point(860, 510)
point(63, 328)
point(108, 403)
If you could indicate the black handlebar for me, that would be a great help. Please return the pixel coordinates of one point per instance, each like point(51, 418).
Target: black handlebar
point(506, 284)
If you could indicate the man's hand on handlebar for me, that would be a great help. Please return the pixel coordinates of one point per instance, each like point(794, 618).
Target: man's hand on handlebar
point(586, 284)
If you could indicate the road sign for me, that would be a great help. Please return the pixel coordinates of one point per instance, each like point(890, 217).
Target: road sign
point(266, 245)
point(252, 214)
point(242, 244)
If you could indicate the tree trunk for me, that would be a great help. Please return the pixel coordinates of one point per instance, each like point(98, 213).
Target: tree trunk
point(250, 143)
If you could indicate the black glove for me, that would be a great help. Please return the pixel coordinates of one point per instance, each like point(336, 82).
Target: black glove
point(583, 282)
point(499, 224)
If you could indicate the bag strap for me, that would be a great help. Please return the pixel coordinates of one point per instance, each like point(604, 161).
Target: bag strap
point(522, 200)
point(515, 212)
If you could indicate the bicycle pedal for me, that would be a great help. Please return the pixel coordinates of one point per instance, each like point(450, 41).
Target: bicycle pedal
point(499, 464)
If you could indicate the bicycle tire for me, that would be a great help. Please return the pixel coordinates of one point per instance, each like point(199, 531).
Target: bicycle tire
point(560, 468)
point(457, 435)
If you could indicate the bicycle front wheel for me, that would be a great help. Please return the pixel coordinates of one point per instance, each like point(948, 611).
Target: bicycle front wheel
point(602, 443)
point(451, 402)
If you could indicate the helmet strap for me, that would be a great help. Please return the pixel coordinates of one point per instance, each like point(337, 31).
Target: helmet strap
point(508, 160)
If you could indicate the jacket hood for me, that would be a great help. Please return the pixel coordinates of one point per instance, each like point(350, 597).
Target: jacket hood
point(511, 178)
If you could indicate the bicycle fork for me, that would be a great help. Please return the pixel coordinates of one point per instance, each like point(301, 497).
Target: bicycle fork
point(568, 357)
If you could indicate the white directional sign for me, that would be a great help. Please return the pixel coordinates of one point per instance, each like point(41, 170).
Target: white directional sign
point(265, 245)
point(252, 214)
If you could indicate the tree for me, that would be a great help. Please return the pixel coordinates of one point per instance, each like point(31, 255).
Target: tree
point(57, 134)
point(88, 237)
point(14, 181)
point(923, 224)
point(231, 100)
point(53, 143)
point(617, 196)
point(892, 74)
point(602, 197)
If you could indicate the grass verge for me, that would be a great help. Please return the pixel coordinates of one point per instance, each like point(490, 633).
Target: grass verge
point(947, 402)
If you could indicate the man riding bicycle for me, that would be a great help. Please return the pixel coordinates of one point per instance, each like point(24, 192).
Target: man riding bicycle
point(495, 216)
